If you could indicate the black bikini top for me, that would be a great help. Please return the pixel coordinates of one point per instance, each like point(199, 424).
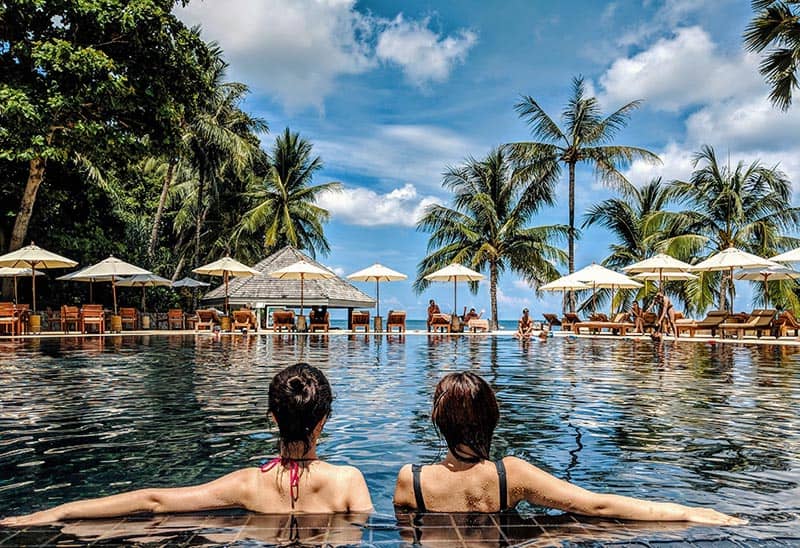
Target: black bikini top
point(501, 477)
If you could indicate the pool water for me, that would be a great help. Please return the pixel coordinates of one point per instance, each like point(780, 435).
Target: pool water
point(712, 425)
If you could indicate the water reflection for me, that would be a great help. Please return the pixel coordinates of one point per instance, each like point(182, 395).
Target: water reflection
point(696, 423)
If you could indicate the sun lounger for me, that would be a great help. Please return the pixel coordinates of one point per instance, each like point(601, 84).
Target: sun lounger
point(206, 319)
point(360, 320)
point(396, 319)
point(130, 317)
point(319, 319)
point(476, 324)
point(175, 319)
point(282, 320)
point(440, 322)
point(244, 319)
point(70, 315)
point(552, 320)
point(93, 314)
point(760, 320)
point(711, 322)
point(569, 319)
point(600, 321)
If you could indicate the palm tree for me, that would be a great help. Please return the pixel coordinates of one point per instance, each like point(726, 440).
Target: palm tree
point(746, 207)
point(487, 226)
point(286, 211)
point(585, 139)
point(630, 219)
point(776, 25)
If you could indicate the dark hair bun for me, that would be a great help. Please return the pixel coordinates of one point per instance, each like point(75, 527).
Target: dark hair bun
point(296, 385)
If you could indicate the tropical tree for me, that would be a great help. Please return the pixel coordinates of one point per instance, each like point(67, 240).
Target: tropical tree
point(776, 25)
point(745, 207)
point(487, 227)
point(285, 209)
point(630, 219)
point(585, 139)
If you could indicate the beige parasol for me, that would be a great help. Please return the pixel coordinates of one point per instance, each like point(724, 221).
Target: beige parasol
point(377, 273)
point(78, 276)
point(143, 281)
point(111, 269)
point(765, 274)
point(302, 270)
point(455, 273)
point(227, 267)
point(659, 264)
point(8, 272)
point(792, 256)
point(600, 277)
point(33, 257)
point(730, 259)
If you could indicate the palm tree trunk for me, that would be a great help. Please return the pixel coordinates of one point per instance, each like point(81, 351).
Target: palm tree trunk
point(151, 249)
point(199, 218)
point(493, 293)
point(35, 177)
point(571, 238)
point(723, 291)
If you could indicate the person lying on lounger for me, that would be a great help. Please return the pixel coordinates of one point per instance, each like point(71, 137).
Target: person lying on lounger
point(296, 481)
point(465, 413)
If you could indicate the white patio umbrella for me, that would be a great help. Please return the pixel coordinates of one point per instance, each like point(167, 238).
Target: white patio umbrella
point(113, 269)
point(227, 267)
point(730, 259)
point(78, 276)
point(143, 281)
point(792, 256)
point(777, 272)
point(660, 276)
point(564, 284)
point(9, 272)
point(192, 284)
point(302, 270)
point(33, 257)
point(660, 264)
point(455, 273)
point(600, 277)
point(377, 273)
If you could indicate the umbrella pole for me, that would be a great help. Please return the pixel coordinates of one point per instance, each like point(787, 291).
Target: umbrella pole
point(378, 294)
point(455, 297)
point(144, 303)
point(91, 287)
point(33, 285)
point(225, 275)
point(766, 291)
point(301, 293)
point(114, 293)
point(16, 301)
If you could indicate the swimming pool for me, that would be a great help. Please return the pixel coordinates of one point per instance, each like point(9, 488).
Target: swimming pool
point(700, 424)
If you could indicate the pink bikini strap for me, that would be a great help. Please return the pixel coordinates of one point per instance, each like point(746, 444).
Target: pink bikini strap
point(294, 474)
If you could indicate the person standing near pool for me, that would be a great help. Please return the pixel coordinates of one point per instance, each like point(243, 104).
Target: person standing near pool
point(465, 412)
point(296, 481)
point(433, 308)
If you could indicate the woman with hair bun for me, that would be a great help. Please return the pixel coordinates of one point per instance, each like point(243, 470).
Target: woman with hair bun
point(465, 412)
point(296, 481)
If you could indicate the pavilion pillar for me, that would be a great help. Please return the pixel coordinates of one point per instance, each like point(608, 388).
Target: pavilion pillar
point(349, 319)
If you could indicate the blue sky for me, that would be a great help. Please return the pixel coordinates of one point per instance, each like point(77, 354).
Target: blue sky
point(391, 93)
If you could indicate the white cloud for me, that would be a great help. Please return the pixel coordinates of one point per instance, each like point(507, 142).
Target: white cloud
point(297, 49)
point(677, 164)
point(399, 153)
point(423, 55)
point(365, 207)
point(511, 300)
point(680, 71)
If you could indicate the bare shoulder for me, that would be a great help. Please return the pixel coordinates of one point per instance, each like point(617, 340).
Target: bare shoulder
point(516, 464)
point(404, 475)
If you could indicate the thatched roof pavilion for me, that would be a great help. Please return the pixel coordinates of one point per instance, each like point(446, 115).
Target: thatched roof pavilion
point(266, 291)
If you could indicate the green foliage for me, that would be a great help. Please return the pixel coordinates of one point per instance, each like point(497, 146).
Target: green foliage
point(487, 227)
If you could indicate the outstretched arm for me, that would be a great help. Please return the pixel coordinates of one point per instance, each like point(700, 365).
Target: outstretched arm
point(227, 491)
point(541, 488)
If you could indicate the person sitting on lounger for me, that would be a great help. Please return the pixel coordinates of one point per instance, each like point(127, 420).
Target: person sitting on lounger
point(524, 326)
point(471, 315)
point(433, 308)
point(465, 413)
point(295, 481)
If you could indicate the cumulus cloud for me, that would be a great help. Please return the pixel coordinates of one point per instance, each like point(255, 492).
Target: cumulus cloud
point(366, 207)
point(423, 55)
point(297, 49)
point(682, 70)
point(511, 300)
point(399, 153)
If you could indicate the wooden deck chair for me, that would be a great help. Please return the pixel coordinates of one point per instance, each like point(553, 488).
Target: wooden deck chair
point(319, 319)
point(552, 321)
point(206, 319)
point(396, 319)
point(360, 320)
point(569, 319)
point(9, 318)
point(175, 319)
point(440, 322)
point(129, 316)
point(710, 322)
point(282, 320)
point(93, 314)
point(70, 315)
point(786, 322)
point(476, 324)
point(244, 319)
point(760, 320)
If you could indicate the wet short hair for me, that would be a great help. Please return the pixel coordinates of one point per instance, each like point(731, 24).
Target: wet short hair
point(465, 412)
point(300, 397)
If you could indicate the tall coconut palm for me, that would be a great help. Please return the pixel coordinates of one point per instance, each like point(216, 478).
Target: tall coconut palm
point(630, 218)
point(286, 211)
point(776, 25)
point(486, 229)
point(585, 139)
point(746, 207)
